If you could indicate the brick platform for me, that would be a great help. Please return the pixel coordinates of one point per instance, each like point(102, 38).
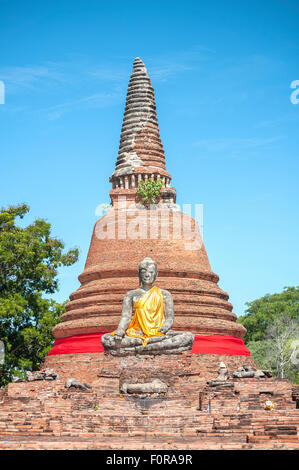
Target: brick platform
point(46, 415)
point(85, 367)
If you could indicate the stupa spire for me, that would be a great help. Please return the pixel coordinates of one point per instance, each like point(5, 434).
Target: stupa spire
point(141, 153)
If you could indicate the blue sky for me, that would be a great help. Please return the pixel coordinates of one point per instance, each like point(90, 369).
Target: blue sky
point(221, 72)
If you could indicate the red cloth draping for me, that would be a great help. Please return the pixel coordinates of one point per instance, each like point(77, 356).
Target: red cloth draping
point(219, 344)
point(90, 343)
point(211, 344)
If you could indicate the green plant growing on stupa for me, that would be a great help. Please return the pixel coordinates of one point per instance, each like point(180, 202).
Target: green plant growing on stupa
point(148, 191)
point(102, 209)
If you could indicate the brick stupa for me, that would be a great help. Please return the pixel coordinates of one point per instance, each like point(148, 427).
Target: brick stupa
point(111, 266)
point(198, 410)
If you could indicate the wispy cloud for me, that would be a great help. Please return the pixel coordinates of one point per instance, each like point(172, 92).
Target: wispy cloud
point(96, 100)
point(82, 78)
point(106, 72)
point(164, 71)
point(30, 76)
point(162, 67)
point(234, 144)
point(71, 72)
point(61, 82)
point(269, 123)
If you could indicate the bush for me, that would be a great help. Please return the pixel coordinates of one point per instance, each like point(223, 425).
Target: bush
point(148, 191)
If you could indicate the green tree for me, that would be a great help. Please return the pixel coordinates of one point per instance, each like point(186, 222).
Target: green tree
point(272, 326)
point(262, 312)
point(29, 259)
point(259, 352)
point(279, 352)
point(281, 336)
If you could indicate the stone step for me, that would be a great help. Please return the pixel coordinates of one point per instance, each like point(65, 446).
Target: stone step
point(137, 443)
point(108, 424)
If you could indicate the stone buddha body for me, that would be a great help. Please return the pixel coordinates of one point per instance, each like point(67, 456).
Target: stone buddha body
point(146, 320)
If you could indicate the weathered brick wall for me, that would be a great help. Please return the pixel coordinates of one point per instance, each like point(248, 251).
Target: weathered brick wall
point(96, 414)
point(85, 367)
point(44, 414)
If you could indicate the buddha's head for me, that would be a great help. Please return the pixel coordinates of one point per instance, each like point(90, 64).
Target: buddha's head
point(147, 271)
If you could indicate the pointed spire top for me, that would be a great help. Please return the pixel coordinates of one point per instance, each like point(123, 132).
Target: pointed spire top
point(138, 64)
point(137, 60)
point(140, 150)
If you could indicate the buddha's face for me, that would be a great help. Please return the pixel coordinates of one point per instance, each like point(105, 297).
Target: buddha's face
point(148, 275)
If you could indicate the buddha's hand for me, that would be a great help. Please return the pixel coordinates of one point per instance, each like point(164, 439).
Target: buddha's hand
point(118, 335)
point(163, 329)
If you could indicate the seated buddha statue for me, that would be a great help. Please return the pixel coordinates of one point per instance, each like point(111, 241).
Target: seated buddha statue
point(146, 320)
